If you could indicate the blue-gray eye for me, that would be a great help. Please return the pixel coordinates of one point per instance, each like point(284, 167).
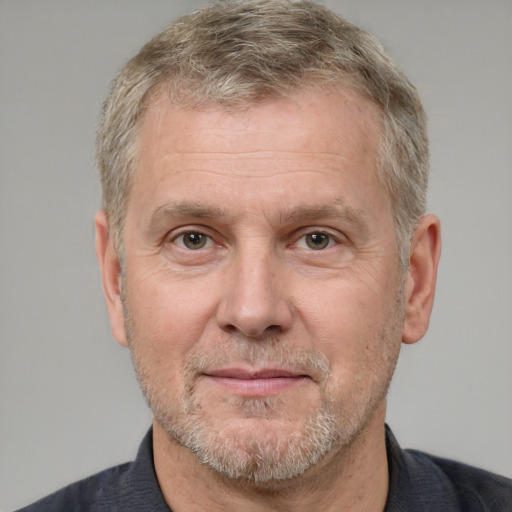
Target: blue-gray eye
point(194, 240)
point(317, 240)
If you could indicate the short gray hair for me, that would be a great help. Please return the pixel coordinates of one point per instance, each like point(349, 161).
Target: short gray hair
point(238, 53)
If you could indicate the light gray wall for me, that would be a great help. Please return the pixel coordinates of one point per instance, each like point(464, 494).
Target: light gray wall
point(69, 404)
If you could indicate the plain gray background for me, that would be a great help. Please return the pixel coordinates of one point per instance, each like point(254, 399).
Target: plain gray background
point(69, 403)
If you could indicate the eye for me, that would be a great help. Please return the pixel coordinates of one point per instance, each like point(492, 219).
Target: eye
point(192, 240)
point(316, 241)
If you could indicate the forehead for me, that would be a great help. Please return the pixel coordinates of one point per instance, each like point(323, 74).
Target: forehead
point(311, 155)
point(309, 149)
point(338, 123)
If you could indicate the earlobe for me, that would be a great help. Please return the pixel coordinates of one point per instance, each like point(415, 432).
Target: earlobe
point(111, 277)
point(421, 278)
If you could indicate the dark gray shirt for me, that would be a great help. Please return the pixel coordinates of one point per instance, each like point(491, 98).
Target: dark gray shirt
point(417, 483)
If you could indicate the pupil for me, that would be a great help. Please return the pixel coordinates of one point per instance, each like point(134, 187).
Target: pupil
point(194, 240)
point(318, 240)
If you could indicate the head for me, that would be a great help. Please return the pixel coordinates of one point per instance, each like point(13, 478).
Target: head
point(262, 244)
point(236, 54)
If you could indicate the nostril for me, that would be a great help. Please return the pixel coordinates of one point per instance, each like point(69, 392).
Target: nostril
point(254, 333)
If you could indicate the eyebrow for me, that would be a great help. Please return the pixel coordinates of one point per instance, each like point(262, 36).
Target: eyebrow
point(184, 210)
point(187, 209)
point(338, 209)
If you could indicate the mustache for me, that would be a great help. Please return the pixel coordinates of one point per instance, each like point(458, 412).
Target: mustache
point(273, 353)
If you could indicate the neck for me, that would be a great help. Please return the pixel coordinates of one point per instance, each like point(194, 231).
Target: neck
point(354, 477)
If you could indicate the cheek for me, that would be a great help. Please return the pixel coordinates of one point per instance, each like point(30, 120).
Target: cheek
point(168, 317)
point(354, 324)
point(337, 310)
point(162, 298)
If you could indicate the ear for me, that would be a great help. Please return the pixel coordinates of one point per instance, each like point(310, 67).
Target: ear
point(421, 278)
point(111, 277)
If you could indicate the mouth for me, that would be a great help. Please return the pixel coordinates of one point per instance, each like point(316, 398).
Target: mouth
point(260, 383)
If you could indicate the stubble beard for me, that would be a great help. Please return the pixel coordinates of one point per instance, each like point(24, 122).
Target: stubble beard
point(334, 425)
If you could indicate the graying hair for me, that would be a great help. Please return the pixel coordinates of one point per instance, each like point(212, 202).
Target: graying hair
point(235, 54)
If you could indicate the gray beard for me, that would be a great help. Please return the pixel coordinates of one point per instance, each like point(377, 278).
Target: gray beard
point(255, 460)
point(250, 459)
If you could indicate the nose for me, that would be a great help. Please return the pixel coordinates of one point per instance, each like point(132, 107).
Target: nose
point(254, 299)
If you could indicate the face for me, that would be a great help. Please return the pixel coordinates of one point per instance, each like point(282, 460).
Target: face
point(262, 293)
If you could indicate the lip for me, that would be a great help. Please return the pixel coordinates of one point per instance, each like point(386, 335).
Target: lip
point(259, 383)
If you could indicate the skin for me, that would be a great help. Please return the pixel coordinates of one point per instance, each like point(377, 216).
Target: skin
point(215, 329)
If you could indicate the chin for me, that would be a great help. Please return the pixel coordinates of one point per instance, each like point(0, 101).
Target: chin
point(257, 447)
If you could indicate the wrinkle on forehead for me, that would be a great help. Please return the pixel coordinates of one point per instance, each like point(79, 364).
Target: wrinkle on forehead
point(242, 166)
point(299, 117)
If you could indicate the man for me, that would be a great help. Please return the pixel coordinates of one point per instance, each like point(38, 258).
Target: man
point(264, 253)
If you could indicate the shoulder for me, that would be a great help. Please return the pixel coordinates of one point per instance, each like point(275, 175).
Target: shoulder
point(130, 487)
point(455, 485)
point(97, 492)
point(475, 488)
point(422, 482)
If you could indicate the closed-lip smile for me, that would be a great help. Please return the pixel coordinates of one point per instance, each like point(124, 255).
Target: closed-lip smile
point(255, 383)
